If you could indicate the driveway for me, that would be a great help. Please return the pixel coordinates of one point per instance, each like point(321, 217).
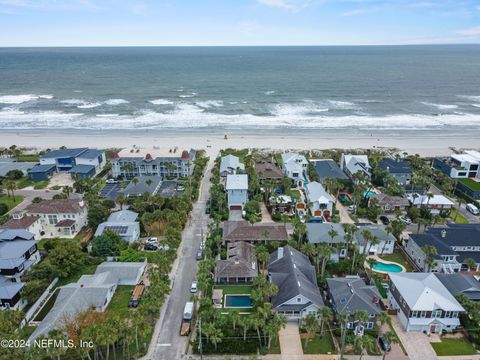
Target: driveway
point(416, 344)
point(344, 215)
point(166, 342)
point(266, 217)
point(290, 343)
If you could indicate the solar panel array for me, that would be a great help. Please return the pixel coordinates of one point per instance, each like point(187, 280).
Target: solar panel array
point(121, 230)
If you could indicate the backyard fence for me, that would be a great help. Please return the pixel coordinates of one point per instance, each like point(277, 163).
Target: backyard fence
point(38, 304)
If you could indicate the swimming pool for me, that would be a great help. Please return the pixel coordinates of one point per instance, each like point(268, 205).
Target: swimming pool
point(240, 301)
point(387, 267)
point(369, 193)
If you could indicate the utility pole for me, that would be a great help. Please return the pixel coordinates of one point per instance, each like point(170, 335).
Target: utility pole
point(342, 340)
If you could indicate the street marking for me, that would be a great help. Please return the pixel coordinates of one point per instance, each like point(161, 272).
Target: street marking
point(164, 345)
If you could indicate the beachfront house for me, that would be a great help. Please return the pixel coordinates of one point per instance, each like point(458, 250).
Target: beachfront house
point(459, 166)
point(79, 162)
point(321, 201)
point(435, 203)
point(164, 163)
point(398, 168)
point(423, 303)
point(237, 191)
point(298, 293)
point(295, 167)
point(230, 165)
point(353, 164)
point(122, 223)
point(350, 294)
point(453, 244)
point(240, 266)
point(90, 292)
point(267, 170)
point(328, 169)
point(62, 218)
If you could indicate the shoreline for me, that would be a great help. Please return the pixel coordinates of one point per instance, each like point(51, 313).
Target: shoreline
point(422, 142)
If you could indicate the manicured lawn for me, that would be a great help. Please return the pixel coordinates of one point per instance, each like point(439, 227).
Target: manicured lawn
point(451, 347)
point(26, 182)
point(234, 289)
point(274, 347)
point(457, 217)
point(119, 303)
point(10, 201)
point(471, 184)
point(28, 158)
point(398, 258)
point(319, 345)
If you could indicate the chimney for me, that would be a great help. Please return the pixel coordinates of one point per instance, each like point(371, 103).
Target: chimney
point(443, 233)
point(280, 253)
point(81, 203)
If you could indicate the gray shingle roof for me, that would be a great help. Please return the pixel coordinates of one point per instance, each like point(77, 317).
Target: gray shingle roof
point(243, 230)
point(328, 169)
point(318, 233)
point(377, 230)
point(395, 166)
point(241, 261)
point(293, 274)
point(461, 284)
point(351, 294)
point(11, 252)
point(15, 234)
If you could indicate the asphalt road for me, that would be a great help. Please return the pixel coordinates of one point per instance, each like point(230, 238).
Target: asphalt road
point(166, 343)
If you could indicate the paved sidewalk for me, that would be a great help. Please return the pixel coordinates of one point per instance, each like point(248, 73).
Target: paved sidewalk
point(290, 343)
point(266, 217)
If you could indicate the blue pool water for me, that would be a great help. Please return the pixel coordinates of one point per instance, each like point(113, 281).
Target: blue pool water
point(241, 301)
point(394, 268)
point(368, 193)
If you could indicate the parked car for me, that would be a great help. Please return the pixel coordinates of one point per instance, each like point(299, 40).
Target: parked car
point(385, 220)
point(111, 181)
point(207, 209)
point(384, 344)
point(150, 247)
point(473, 209)
point(200, 254)
point(406, 220)
point(152, 240)
point(193, 288)
point(352, 208)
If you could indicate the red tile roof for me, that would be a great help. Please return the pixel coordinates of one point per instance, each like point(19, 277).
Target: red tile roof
point(22, 223)
point(59, 206)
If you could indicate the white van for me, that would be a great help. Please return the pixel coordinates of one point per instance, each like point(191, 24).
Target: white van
point(473, 209)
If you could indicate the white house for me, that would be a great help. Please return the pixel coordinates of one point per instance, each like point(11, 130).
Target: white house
point(436, 203)
point(295, 167)
point(386, 241)
point(230, 165)
point(31, 224)
point(298, 293)
point(237, 191)
point(423, 303)
point(352, 164)
point(321, 201)
point(62, 218)
point(123, 223)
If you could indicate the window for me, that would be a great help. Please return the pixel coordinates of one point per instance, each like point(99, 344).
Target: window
point(368, 325)
point(52, 219)
point(448, 314)
point(414, 314)
point(437, 313)
point(455, 314)
point(423, 314)
point(299, 299)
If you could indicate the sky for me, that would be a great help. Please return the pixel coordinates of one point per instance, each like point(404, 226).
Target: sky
point(237, 22)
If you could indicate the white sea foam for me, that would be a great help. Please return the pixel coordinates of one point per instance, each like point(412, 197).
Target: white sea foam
point(19, 99)
point(304, 109)
point(269, 92)
point(209, 103)
point(470, 97)
point(343, 105)
point(161, 102)
point(185, 116)
point(88, 105)
point(107, 115)
point(113, 102)
point(73, 101)
point(441, 106)
point(191, 95)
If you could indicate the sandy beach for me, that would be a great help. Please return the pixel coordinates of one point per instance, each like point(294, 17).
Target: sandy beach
point(424, 142)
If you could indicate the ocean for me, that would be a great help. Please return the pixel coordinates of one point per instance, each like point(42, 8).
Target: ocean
point(143, 88)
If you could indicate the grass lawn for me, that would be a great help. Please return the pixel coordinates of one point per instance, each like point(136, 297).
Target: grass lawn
point(234, 289)
point(319, 345)
point(10, 201)
point(398, 258)
point(46, 307)
point(457, 217)
point(37, 185)
point(451, 347)
point(294, 194)
point(471, 184)
point(119, 303)
point(274, 347)
point(84, 270)
point(28, 158)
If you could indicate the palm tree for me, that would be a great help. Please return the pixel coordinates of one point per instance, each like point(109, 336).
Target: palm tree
point(262, 255)
point(366, 343)
point(470, 263)
point(67, 190)
point(216, 336)
point(326, 315)
point(311, 251)
point(332, 233)
point(310, 322)
point(392, 338)
point(355, 251)
point(148, 182)
point(367, 237)
point(234, 317)
point(127, 169)
point(121, 200)
point(324, 251)
point(11, 186)
point(343, 320)
point(135, 181)
point(429, 251)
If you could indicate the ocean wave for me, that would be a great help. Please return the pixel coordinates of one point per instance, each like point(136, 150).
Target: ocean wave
point(269, 92)
point(470, 97)
point(185, 116)
point(441, 106)
point(107, 115)
point(88, 105)
point(19, 99)
point(114, 102)
point(343, 105)
point(209, 103)
point(191, 95)
point(161, 102)
point(307, 108)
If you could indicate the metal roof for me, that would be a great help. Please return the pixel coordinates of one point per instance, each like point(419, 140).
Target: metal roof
point(328, 169)
point(82, 169)
point(42, 168)
point(63, 153)
point(237, 182)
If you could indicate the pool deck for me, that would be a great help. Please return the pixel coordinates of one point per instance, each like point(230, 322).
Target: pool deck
point(378, 259)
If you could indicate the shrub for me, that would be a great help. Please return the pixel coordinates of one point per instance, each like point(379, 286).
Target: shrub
point(14, 175)
point(3, 209)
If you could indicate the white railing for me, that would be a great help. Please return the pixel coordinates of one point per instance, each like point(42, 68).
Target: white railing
point(41, 300)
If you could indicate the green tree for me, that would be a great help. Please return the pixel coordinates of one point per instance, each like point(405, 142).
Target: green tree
point(108, 244)
point(429, 251)
point(326, 315)
point(310, 323)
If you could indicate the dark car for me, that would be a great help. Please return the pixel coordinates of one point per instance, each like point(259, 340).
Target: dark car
point(384, 344)
point(200, 254)
point(150, 247)
point(207, 210)
point(385, 220)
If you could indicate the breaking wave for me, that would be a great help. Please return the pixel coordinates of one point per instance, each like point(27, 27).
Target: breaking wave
point(19, 99)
